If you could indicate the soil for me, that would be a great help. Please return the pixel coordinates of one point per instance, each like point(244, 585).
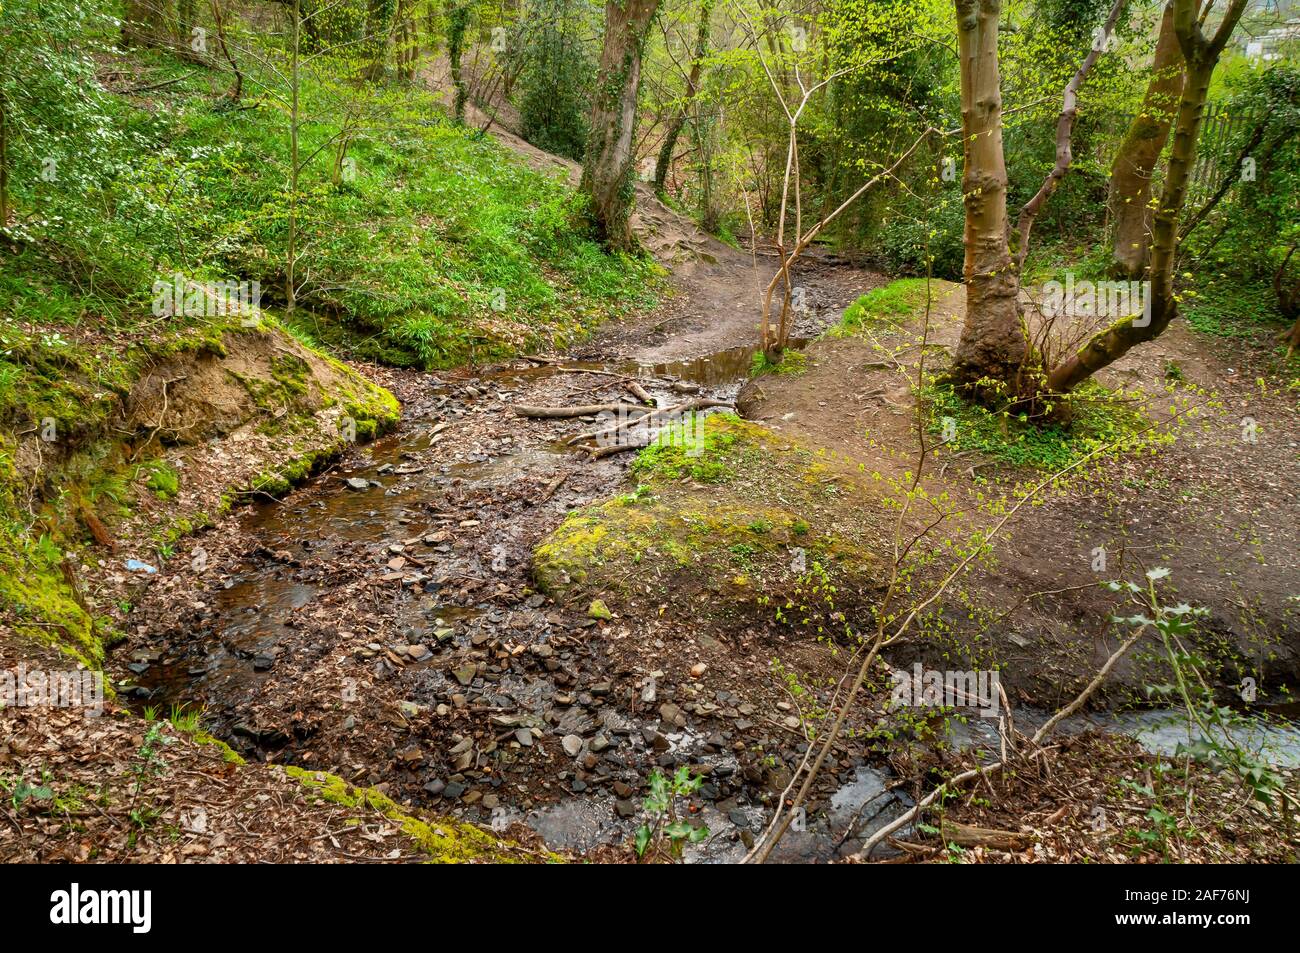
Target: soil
point(383, 623)
point(1222, 513)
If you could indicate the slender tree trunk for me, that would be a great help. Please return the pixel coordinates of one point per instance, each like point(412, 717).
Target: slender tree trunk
point(219, 25)
point(291, 261)
point(1129, 202)
point(692, 86)
point(1288, 302)
point(1064, 137)
point(1201, 56)
point(146, 22)
point(457, 24)
point(185, 22)
point(4, 162)
point(994, 348)
point(607, 163)
point(379, 25)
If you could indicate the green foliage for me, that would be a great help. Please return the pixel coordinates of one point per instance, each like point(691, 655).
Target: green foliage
point(1098, 417)
point(420, 242)
point(556, 78)
point(664, 829)
point(1239, 246)
point(1215, 728)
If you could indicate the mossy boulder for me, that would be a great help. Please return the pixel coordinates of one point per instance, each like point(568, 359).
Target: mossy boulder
point(744, 522)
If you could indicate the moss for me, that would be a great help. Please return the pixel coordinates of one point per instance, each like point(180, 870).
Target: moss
point(228, 754)
point(791, 364)
point(90, 468)
point(163, 479)
point(887, 305)
point(444, 841)
point(706, 449)
point(43, 608)
point(672, 538)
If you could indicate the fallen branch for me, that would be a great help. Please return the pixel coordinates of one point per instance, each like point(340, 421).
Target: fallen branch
point(700, 403)
point(587, 410)
point(909, 816)
point(641, 393)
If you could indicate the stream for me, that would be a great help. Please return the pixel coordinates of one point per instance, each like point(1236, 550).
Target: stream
point(410, 485)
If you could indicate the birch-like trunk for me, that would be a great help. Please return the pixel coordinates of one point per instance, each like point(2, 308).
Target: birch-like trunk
point(1129, 203)
point(1201, 55)
point(994, 348)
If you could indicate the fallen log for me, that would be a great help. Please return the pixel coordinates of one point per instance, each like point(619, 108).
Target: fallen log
point(968, 835)
point(640, 393)
point(700, 403)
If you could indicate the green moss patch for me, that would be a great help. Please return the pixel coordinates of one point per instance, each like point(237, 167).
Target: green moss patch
point(742, 525)
point(890, 304)
point(444, 841)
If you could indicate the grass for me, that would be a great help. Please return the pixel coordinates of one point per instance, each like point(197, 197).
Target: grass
point(1099, 417)
point(1232, 309)
point(442, 247)
point(885, 305)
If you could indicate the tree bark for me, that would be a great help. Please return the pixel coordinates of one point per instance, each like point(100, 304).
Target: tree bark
point(607, 163)
point(994, 348)
point(1129, 201)
point(1064, 137)
point(692, 85)
point(1201, 55)
point(4, 163)
point(457, 25)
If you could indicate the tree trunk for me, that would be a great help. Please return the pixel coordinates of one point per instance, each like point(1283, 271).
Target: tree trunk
point(379, 25)
point(1064, 138)
point(457, 24)
point(4, 163)
point(994, 349)
point(291, 258)
point(146, 22)
point(1201, 56)
point(607, 163)
point(1129, 202)
point(692, 85)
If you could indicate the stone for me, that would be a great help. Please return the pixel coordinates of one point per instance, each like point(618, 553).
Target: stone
point(598, 610)
point(572, 744)
point(465, 673)
point(671, 714)
point(625, 808)
point(356, 483)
